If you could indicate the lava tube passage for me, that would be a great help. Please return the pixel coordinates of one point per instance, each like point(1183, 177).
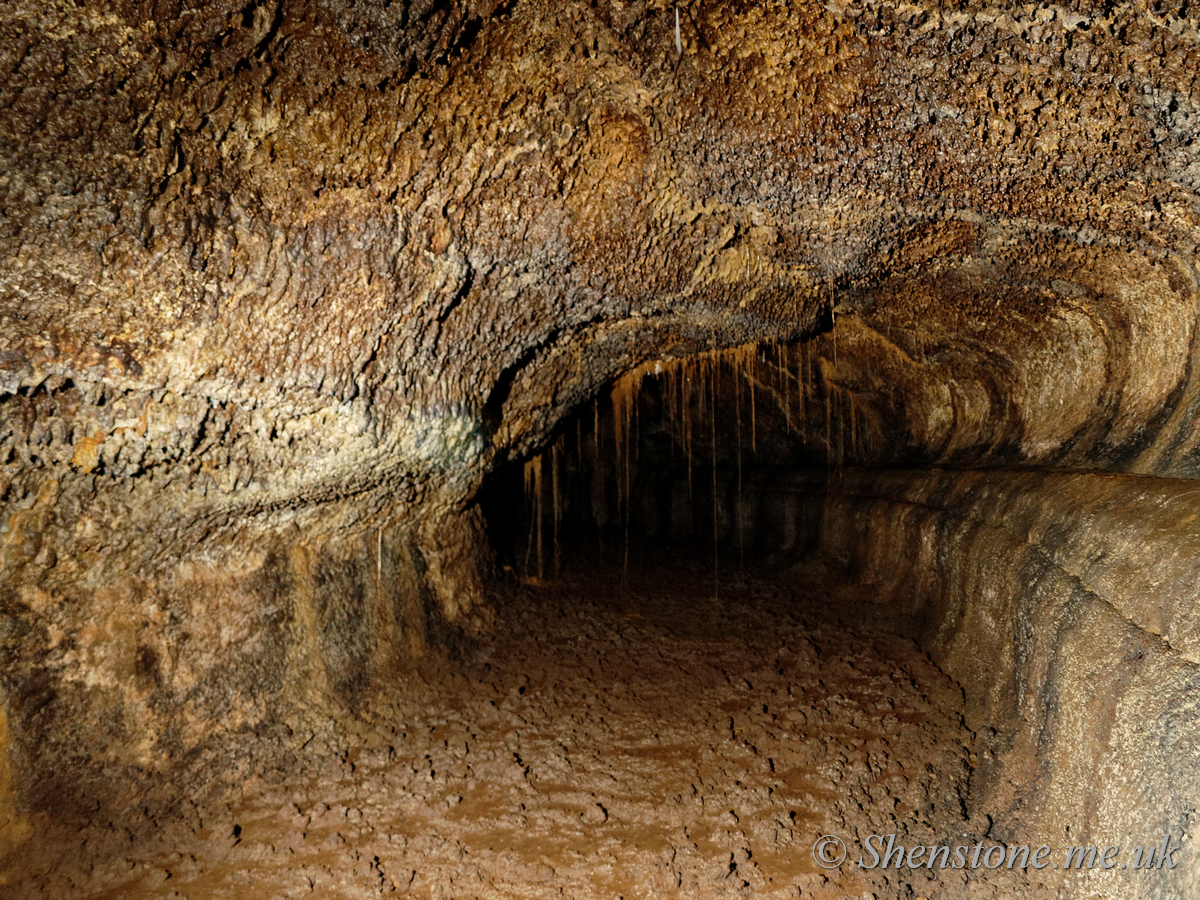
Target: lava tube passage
point(713, 705)
point(595, 449)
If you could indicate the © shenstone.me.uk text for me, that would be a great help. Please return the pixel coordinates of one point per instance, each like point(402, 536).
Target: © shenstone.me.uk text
point(883, 851)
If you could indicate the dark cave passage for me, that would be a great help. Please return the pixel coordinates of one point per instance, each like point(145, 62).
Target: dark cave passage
point(767, 465)
point(722, 453)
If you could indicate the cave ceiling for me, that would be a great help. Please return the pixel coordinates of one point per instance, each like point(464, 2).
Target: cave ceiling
point(280, 257)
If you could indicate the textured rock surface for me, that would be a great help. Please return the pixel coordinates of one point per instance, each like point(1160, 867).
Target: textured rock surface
point(282, 281)
point(565, 759)
point(1064, 604)
point(1061, 601)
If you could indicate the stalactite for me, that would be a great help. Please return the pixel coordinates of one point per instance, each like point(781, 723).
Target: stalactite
point(555, 480)
point(781, 372)
point(841, 461)
point(533, 499)
point(828, 420)
point(685, 403)
point(637, 425)
point(624, 399)
point(801, 398)
point(688, 393)
point(737, 412)
point(807, 356)
point(753, 405)
point(716, 545)
point(599, 502)
point(854, 456)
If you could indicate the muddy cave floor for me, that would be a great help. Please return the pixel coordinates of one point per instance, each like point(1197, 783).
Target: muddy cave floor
point(624, 735)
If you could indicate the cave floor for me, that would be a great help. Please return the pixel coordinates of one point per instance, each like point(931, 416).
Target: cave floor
point(622, 737)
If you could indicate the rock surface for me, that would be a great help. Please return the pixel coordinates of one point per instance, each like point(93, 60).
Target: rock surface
point(282, 282)
point(643, 739)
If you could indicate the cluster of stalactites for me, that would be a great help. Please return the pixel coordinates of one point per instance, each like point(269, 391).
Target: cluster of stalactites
point(793, 383)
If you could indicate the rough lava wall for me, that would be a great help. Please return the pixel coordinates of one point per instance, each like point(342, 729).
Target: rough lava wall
point(280, 282)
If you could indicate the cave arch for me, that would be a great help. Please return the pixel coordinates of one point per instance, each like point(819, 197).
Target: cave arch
point(282, 283)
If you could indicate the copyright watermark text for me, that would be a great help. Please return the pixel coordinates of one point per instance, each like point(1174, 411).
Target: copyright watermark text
point(884, 851)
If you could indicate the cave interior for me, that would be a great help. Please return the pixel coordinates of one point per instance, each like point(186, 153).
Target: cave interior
point(598, 448)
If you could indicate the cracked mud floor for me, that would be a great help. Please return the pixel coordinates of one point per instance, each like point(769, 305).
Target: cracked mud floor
point(636, 740)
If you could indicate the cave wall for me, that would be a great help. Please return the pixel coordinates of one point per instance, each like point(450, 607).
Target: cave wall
point(1061, 599)
point(1064, 605)
point(283, 281)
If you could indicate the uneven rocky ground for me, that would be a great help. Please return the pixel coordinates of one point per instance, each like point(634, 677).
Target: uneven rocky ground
point(285, 283)
point(632, 737)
